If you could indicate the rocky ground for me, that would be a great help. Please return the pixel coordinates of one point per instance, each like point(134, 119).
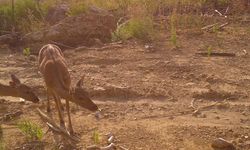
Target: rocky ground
point(145, 92)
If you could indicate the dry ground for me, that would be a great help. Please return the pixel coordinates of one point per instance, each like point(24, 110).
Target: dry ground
point(145, 94)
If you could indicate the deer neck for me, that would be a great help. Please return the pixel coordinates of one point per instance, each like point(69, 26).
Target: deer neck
point(6, 90)
point(65, 94)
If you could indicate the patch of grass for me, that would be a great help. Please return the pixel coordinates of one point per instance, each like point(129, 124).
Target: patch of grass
point(26, 51)
point(140, 28)
point(209, 51)
point(45, 5)
point(26, 12)
point(96, 137)
point(215, 29)
point(2, 145)
point(173, 33)
point(77, 7)
point(31, 130)
point(223, 2)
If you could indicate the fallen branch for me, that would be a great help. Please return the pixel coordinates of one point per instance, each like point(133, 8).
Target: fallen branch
point(208, 106)
point(123, 148)
point(111, 146)
point(218, 12)
point(223, 25)
point(54, 127)
point(110, 46)
point(209, 26)
point(226, 10)
point(204, 54)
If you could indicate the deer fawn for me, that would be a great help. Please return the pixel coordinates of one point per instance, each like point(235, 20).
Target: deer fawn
point(18, 89)
point(53, 67)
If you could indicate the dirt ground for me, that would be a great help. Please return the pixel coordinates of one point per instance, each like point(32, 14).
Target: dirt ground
point(145, 93)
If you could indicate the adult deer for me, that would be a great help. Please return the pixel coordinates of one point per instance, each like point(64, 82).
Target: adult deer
point(18, 89)
point(53, 67)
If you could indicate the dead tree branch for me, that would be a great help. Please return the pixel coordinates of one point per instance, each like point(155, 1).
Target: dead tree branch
point(54, 127)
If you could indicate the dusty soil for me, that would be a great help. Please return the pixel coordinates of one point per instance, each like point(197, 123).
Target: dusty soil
point(145, 93)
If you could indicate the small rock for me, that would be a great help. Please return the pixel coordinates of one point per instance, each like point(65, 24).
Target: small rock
point(222, 144)
point(98, 115)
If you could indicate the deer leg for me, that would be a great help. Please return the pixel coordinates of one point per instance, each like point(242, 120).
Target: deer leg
point(58, 107)
point(48, 102)
point(69, 117)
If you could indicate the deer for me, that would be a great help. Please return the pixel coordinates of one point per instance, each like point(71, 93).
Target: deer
point(54, 70)
point(18, 89)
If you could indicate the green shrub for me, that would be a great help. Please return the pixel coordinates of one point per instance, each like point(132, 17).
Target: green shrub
point(140, 28)
point(5, 17)
point(26, 51)
point(209, 51)
point(26, 14)
point(31, 130)
point(96, 137)
point(2, 146)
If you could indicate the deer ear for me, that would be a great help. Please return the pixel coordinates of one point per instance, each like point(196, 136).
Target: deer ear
point(14, 80)
point(79, 83)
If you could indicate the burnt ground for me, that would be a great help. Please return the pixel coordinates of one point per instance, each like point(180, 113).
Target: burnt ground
point(145, 93)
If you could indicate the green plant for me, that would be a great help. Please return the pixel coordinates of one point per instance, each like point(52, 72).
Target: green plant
point(140, 28)
point(2, 146)
point(26, 14)
point(209, 51)
point(173, 37)
point(96, 137)
point(26, 51)
point(77, 7)
point(215, 29)
point(31, 130)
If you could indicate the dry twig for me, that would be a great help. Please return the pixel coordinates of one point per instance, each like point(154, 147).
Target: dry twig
point(221, 54)
point(111, 146)
point(110, 46)
point(54, 127)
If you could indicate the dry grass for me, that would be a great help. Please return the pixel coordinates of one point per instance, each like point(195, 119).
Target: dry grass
point(187, 14)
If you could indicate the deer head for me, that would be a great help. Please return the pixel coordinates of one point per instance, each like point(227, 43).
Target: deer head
point(23, 90)
point(79, 94)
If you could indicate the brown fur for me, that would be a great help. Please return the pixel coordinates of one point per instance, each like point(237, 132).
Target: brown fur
point(18, 89)
point(57, 79)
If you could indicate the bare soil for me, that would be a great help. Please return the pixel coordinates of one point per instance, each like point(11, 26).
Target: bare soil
point(145, 93)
